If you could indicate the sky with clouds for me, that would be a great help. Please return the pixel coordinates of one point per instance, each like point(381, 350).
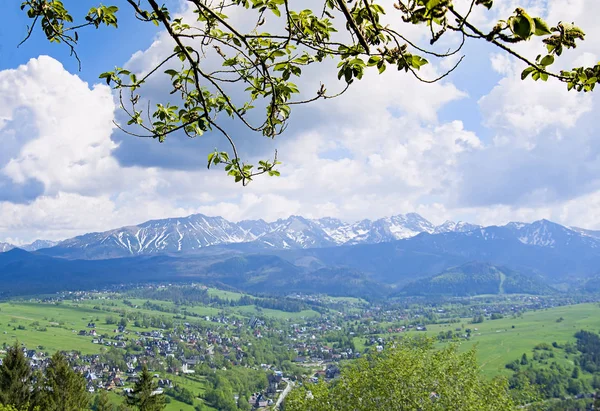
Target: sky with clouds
point(480, 146)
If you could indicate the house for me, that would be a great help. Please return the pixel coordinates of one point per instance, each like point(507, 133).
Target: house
point(259, 401)
point(32, 355)
point(165, 383)
point(90, 376)
point(332, 371)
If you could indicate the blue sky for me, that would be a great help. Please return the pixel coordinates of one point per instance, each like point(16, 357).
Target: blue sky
point(481, 146)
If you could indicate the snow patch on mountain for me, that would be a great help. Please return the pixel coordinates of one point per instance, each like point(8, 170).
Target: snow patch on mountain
point(186, 234)
point(6, 247)
point(38, 245)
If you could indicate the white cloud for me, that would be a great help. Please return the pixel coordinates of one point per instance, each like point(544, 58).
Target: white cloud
point(71, 151)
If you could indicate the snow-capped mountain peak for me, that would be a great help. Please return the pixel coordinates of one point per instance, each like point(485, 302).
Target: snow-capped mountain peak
point(6, 247)
point(39, 244)
point(186, 234)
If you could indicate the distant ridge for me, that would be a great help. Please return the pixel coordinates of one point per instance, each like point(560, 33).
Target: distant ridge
point(172, 236)
point(36, 245)
point(476, 278)
point(523, 258)
point(189, 234)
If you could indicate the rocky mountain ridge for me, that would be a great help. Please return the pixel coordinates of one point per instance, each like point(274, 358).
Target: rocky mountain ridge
point(195, 232)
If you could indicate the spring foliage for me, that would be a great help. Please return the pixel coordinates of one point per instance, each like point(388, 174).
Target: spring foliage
point(410, 376)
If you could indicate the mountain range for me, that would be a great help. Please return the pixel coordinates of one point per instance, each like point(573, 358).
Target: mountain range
point(36, 245)
point(188, 234)
point(368, 257)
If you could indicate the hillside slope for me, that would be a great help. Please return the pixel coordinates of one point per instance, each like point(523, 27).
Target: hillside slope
point(477, 279)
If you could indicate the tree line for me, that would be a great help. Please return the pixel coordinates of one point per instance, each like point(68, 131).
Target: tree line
point(60, 388)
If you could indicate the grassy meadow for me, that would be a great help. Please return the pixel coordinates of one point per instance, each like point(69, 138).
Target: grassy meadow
point(498, 342)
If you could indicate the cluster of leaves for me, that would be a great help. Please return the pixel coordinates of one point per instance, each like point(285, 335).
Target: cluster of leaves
point(264, 63)
point(56, 22)
point(411, 375)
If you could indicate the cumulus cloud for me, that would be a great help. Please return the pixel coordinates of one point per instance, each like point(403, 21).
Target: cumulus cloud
point(58, 175)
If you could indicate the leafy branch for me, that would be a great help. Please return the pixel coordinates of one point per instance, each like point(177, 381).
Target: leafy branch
point(266, 62)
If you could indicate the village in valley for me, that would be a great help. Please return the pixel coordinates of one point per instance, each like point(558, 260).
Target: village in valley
point(192, 344)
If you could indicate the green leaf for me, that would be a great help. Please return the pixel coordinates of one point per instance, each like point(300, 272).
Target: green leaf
point(373, 60)
point(211, 157)
point(522, 26)
point(541, 27)
point(547, 60)
point(527, 72)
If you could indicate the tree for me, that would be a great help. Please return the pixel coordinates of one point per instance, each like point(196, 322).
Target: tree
point(524, 359)
point(102, 402)
point(412, 375)
point(144, 395)
point(596, 382)
point(277, 43)
point(15, 378)
point(61, 388)
point(244, 404)
point(575, 373)
point(478, 319)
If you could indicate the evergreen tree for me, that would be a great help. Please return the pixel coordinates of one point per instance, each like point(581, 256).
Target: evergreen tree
point(15, 379)
point(575, 373)
point(102, 402)
point(143, 396)
point(524, 359)
point(61, 388)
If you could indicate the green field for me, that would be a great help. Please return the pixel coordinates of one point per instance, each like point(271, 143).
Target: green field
point(251, 310)
point(62, 322)
point(498, 343)
point(230, 295)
